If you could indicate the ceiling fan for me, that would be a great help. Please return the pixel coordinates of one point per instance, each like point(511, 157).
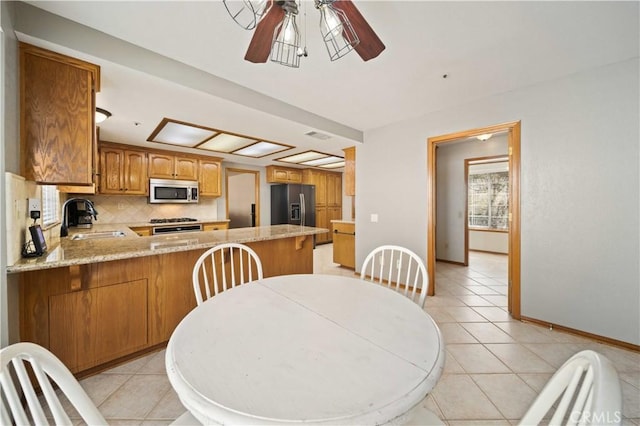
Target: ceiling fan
point(276, 35)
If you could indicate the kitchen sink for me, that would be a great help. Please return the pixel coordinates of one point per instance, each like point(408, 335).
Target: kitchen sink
point(96, 235)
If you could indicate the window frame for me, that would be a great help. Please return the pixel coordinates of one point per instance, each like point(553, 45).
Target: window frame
point(50, 206)
point(490, 184)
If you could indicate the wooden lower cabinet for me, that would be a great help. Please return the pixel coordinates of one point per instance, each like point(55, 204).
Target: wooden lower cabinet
point(344, 244)
point(98, 325)
point(214, 226)
point(126, 306)
point(104, 319)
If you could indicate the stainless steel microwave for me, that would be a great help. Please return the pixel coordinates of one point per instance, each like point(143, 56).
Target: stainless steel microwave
point(173, 191)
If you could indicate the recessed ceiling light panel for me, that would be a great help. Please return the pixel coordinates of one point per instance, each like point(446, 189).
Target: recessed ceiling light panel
point(181, 134)
point(303, 156)
point(333, 165)
point(261, 149)
point(321, 161)
point(225, 142)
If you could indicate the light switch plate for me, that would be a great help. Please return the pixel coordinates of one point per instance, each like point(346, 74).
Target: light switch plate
point(374, 217)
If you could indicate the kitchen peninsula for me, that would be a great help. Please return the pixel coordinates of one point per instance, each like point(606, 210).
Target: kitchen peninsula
point(96, 301)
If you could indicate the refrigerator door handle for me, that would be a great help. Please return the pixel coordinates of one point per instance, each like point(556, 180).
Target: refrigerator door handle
point(303, 208)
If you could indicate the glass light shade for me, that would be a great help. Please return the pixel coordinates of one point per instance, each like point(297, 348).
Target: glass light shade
point(101, 115)
point(286, 43)
point(247, 13)
point(484, 137)
point(337, 33)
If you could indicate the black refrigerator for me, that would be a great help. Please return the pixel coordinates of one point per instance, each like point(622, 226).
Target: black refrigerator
point(294, 204)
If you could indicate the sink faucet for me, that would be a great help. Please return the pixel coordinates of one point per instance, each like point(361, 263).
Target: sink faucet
point(90, 208)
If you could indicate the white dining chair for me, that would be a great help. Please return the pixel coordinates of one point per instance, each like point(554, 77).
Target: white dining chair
point(27, 368)
point(398, 268)
point(224, 266)
point(585, 390)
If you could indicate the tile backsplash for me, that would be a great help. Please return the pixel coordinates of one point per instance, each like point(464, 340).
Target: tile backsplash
point(134, 209)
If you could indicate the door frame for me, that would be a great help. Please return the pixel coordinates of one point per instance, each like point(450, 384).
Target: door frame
point(513, 138)
point(256, 174)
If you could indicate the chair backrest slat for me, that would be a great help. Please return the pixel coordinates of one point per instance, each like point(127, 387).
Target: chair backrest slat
point(399, 269)
point(223, 260)
point(45, 369)
point(589, 390)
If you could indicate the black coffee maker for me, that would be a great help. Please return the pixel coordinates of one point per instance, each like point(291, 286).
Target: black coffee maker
point(78, 212)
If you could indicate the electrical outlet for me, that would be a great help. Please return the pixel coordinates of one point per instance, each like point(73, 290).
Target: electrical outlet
point(33, 204)
point(374, 217)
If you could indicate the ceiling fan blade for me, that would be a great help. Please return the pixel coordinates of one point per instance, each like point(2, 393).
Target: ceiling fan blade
point(260, 46)
point(370, 44)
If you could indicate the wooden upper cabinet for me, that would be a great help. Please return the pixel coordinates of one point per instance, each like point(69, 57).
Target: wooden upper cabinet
point(168, 166)
point(350, 171)
point(210, 177)
point(278, 174)
point(57, 127)
point(161, 166)
point(186, 168)
point(334, 189)
point(123, 171)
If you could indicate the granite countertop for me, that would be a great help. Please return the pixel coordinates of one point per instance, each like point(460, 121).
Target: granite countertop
point(77, 252)
point(348, 222)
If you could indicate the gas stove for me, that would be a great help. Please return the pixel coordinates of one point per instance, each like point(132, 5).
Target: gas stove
point(173, 220)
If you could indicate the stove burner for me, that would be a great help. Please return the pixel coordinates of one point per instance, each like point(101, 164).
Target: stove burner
point(173, 220)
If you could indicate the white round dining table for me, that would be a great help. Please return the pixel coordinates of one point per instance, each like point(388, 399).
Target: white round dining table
point(311, 349)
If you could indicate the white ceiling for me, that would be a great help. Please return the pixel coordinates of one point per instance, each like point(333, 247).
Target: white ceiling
point(484, 48)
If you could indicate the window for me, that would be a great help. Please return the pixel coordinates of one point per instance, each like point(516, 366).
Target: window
point(50, 205)
point(488, 202)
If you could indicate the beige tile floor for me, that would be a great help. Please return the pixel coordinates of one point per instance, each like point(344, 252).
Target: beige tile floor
point(494, 368)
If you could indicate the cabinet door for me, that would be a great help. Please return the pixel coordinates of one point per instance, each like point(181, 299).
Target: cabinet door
point(89, 327)
point(186, 168)
point(111, 166)
point(161, 166)
point(350, 171)
point(334, 190)
point(322, 222)
point(210, 178)
point(135, 179)
point(294, 176)
point(319, 179)
point(276, 174)
point(333, 213)
point(171, 295)
point(215, 226)
point(57, 117)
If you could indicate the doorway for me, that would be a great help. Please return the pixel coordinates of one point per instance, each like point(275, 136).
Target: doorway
point(512, 130)
point(486, 225)
point(243, 198)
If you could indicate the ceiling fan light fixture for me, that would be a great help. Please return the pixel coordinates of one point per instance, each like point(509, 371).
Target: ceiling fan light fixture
point(337, 32)
point(247, 13)
point(286, 42)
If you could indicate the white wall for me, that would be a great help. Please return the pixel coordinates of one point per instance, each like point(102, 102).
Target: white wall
point(490, 241)
point(9, 162)
point(579, 184)
point(451, 191)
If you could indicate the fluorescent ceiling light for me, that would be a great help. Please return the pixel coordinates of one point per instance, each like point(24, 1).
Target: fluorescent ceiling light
point(321, 161)
point(181, 134)
point(333, 165)
point(261, 149)
point(225, 142)
point(304, 156)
